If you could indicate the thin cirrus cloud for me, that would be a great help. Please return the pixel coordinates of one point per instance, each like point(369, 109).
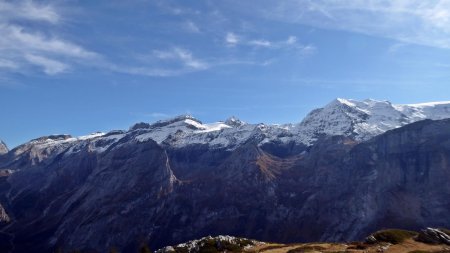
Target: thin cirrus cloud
point(16, 38)
point(162, 63)
point(291, 43)
point(7, 64)
point(409, 21)
point(22, 48)
point(231, 39)
point(190, 26)
point(30, 43)
point(27, 10)
point(29, 48)
point(50, 67)
point(184, 56)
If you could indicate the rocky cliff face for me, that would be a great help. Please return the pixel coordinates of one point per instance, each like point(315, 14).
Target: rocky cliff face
point(402, 177)
point(181, 179)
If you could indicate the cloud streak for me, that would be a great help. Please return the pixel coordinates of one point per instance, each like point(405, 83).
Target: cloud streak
point(29, 11)
point(31, 42)
point(291, 43)
point(409, 21)
point(17, 39)
point(183, 56)
point(26, 48)
point(231, 39)
point(162, 63)
point(51, 67)
point(190, 26)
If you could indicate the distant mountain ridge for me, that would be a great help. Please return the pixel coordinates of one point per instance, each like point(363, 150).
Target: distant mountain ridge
point(346, 170)
point(361, 120)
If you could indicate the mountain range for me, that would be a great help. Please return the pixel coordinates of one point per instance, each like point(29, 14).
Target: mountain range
point(347, 169)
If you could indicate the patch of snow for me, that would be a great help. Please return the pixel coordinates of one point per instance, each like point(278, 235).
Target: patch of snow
point(345, 101)
point(429, 104)
point(194, 123)
point(91, 136)
point(213, 127)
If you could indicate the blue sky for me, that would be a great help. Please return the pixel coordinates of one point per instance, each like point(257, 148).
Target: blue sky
point(83, 66)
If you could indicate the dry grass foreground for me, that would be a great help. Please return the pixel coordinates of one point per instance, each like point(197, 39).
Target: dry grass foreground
point(407, 246)
point(428, 240)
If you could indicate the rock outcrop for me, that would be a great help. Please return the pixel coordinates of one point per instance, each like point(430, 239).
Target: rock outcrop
point(221, 243)
point(433, 236)
point(4, 218)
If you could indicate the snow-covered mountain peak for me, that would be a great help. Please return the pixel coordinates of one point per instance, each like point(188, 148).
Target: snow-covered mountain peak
point(50, 138)
point(336, 118)
point(140, 125)
point(186, 120)
point(366, 105)
point(372, 106)
point(234, 122)
point(178, 120)
point(343, 101)
point(367, 118)
point(178, 129)
point(3, 148)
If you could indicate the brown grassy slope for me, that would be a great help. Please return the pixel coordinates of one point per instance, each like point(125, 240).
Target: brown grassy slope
point(407, 246)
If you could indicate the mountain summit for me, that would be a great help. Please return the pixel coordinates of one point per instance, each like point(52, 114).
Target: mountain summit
point(368, 118)
point(3, 148)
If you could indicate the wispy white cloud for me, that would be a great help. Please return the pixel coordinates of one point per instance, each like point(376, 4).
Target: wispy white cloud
point(149, 71)
point(23, 48)
point(28, 10)
point(17, 39)
point(162, 63)
point(358, 84)
point(308, 49)
point(38, 47)
point(394, 48)
point(31, 41)
point(183, 56)
point(7, 64)
point(51, 67)
point(180, 61)
point(158, 115)
point(152, 116)
point(173, 8)
point(190, 26)
point(231, 39)
point(260, 43)
point(225, 62)
point(291, 40)
point(291, 43)
point(409, 21)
